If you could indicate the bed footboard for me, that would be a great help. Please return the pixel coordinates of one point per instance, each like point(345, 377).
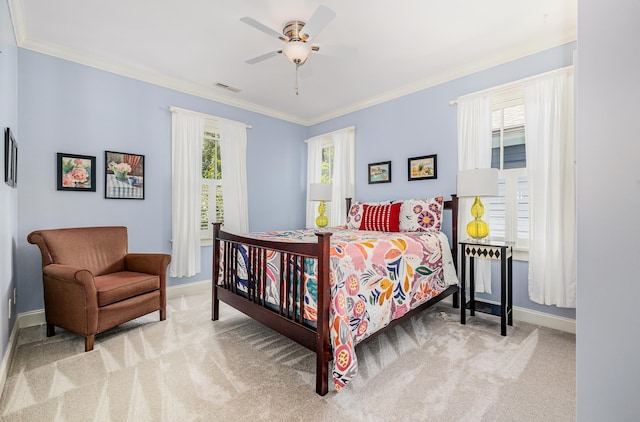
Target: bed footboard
point(288, 317)
point(280, 304)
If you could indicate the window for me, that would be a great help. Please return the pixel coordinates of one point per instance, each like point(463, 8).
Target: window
point(330, 159)
point(509, 212)
point(327, 162)
point(211, 209)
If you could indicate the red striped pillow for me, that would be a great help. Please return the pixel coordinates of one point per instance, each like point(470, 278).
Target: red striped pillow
point(382, 218)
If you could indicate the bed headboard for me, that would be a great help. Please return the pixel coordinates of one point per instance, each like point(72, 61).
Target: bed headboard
point(451, 205)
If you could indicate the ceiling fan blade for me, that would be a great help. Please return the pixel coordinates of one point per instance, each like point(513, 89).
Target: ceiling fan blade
point(263, 57)
point(264, 28)
point(320, 18)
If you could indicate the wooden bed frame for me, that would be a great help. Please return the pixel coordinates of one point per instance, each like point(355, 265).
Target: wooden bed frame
point(288, 320)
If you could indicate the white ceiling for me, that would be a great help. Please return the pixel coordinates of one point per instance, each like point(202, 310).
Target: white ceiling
point(400, 46)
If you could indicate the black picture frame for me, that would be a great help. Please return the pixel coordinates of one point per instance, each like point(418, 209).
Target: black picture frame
point(124, 175)
point(424, 167)
point(10, 159)
point(380, 172)
point(75, 172)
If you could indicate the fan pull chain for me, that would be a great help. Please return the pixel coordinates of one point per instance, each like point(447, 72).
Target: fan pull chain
point(297, 66)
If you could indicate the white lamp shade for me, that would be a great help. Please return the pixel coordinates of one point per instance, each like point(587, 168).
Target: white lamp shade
point(478, 182)
point(320, 191)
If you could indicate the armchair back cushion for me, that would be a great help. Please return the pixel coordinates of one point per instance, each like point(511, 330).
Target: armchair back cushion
point(100, 250)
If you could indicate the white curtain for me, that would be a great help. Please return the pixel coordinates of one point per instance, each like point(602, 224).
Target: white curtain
point(474, 151)
point(343, 174)
point(314, 173)
point(186, 191)
point(343, 142)
point(233, 152)
point(549, 130)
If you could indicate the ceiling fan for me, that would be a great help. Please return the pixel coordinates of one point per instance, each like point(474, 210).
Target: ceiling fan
point(297, 35)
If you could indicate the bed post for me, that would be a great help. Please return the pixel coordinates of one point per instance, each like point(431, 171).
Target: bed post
point(323, 346)
point(454, 241)
point(215, 302)
point(454, 228)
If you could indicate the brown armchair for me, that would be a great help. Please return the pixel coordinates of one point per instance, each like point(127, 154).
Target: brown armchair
point(91, 283)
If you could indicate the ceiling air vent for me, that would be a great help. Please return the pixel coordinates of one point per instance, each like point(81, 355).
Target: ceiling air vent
point(228, 88)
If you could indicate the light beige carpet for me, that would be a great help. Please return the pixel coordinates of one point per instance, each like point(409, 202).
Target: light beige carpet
point(189, 368)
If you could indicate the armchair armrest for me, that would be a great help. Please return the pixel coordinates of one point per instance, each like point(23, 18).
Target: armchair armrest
point(149, 263)
point(71, 299)
point(70, 274)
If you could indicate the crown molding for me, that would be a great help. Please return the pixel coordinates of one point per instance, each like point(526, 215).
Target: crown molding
point(496, 60)
point(112, 66)
point(213, 94)
point(16, 10)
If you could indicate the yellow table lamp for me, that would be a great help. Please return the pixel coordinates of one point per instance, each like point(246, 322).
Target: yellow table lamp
point(321, 192)
point(477, 183)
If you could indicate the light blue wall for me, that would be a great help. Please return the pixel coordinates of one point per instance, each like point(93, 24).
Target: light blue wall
point(71, 108)
point(607, 149)
point(66, 107)
point(424, 123)
point(8, 196)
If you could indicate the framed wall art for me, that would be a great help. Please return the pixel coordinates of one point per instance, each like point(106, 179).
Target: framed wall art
point(425, 167)
point(10, 159)
point(76, 172)
point(380, 172)
point(124, 175)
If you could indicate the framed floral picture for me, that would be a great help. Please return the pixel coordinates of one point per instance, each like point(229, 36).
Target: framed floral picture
point(425, 167)
point(76, 172)
point(124, 175)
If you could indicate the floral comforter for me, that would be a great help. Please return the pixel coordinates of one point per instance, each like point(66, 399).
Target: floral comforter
point(375, 277)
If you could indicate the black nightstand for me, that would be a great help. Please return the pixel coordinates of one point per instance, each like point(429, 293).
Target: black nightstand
point(487, 249)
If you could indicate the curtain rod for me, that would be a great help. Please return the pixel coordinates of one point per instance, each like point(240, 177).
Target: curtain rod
point(512, 84)
point(206, 116)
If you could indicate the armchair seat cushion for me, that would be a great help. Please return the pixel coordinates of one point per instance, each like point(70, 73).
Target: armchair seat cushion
point(123, 285)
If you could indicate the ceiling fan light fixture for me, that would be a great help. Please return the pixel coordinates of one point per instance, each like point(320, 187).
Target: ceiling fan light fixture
point(297, 51)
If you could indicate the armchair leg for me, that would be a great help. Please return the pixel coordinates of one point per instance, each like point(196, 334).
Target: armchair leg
point(163, 314)
point(88, 343)
point(51, 330)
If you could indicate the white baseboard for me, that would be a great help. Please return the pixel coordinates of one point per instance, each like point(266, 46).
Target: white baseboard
point(546, 320)
point(29, 319)
point(32, 318)
point(188, 288)
point(8, 356)
point(536, 318)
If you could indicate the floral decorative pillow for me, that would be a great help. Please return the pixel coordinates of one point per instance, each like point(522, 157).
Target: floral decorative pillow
point(354, 217)
point(421, 214)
